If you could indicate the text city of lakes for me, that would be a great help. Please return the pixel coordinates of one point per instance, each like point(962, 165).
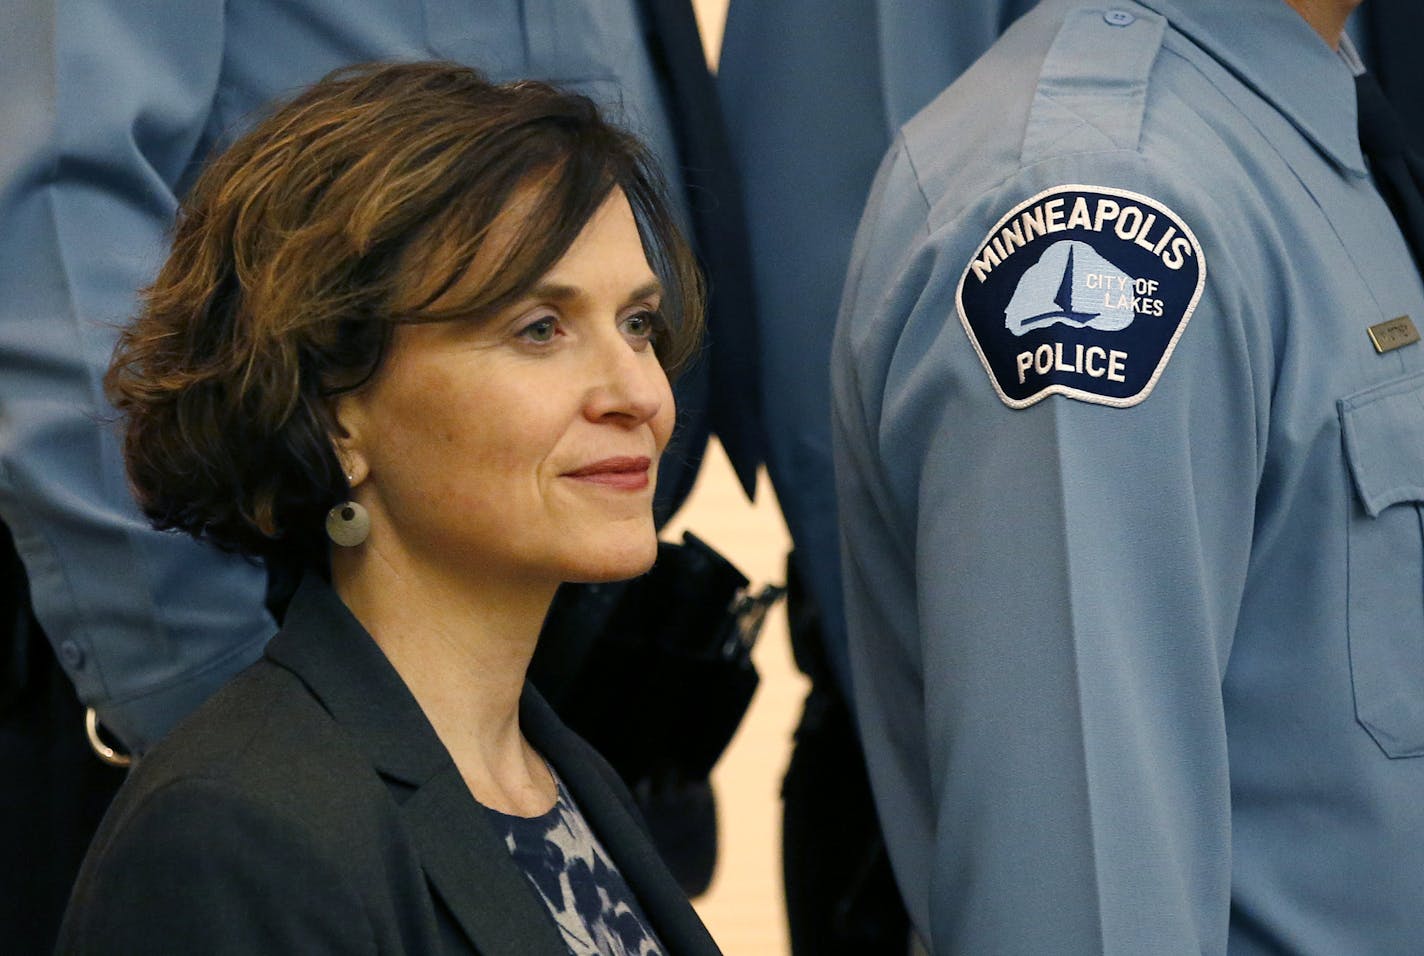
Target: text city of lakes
point(1131, 224)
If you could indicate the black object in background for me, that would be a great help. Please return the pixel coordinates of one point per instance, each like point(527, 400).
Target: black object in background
point(841, 897)
point(656, 673)
point(1394, 40)
point(1395, 163)
point(53, 790)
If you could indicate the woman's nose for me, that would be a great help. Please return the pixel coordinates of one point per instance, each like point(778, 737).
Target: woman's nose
point(631, 385)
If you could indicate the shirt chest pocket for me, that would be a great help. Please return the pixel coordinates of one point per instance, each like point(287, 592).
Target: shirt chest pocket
point(1383, 430)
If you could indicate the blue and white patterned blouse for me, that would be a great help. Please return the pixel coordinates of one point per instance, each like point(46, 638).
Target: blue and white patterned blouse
point(571, 872)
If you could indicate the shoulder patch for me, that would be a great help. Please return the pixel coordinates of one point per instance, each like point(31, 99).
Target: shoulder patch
point(1081, 291)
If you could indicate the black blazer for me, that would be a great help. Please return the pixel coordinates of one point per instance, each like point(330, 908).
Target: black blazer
point(310, 808)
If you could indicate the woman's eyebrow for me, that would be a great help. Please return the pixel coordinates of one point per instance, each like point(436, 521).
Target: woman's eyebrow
point(647, 290)
point(559, 292)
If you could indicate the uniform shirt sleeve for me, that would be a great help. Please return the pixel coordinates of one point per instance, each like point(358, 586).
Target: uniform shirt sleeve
point(1041, 601)
point(107, 106)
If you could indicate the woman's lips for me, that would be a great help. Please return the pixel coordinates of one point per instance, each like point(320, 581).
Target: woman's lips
point(630, 474)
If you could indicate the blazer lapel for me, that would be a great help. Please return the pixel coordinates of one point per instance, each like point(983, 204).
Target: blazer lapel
point(621, 833)
point(468, 866)
point(495, 905)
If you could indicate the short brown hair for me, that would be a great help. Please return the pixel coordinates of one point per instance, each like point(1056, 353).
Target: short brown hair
point(295, 254)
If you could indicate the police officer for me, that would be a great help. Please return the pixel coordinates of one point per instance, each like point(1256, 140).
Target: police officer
point(109, 108)
point(1129, 407)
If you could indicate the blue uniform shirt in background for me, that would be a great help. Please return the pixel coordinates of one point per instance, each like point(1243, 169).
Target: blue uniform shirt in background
point(109, 108)
point(813, 93)
point(1139, 642)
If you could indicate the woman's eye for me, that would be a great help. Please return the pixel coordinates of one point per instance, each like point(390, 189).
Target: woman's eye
point(540, 331)
point(642, 325)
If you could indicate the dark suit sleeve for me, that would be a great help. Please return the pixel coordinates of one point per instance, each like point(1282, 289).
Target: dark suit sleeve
point(163, 878)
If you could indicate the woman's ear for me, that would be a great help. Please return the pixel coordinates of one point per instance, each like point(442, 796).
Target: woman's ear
point(349, 419)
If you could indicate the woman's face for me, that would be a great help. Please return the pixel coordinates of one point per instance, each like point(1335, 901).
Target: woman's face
point(524, 448)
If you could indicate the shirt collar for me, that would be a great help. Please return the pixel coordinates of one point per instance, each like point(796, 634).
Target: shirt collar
point(1270, 47)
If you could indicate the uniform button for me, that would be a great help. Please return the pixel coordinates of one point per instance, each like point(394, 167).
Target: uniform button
point(1119, 18)
point(71, 654)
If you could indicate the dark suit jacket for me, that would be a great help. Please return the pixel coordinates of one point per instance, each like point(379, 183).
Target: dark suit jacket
point(1393, 33)
point(310, 808)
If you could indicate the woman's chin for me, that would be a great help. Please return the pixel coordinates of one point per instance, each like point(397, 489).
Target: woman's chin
point(618, 565)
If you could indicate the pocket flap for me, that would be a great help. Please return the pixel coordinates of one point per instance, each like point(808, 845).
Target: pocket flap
point(1384, 442)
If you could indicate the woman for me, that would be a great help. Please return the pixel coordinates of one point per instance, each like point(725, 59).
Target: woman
point(414, 330)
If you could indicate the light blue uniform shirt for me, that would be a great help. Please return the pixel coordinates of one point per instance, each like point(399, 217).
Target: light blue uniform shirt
point(1140, 662)
point(108, 107)
point(813, 93)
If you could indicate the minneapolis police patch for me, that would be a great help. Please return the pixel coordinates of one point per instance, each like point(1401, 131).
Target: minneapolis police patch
point(1081, 291)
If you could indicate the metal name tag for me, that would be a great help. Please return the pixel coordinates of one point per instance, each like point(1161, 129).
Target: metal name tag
point(1394, 334)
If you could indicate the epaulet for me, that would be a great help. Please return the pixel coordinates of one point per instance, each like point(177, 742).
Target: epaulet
point(1093, 87)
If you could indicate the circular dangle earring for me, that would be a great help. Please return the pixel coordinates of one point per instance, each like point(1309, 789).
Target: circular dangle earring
point(348, 523)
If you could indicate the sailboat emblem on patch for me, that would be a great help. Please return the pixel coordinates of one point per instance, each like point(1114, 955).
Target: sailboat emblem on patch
point(1081, 291)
